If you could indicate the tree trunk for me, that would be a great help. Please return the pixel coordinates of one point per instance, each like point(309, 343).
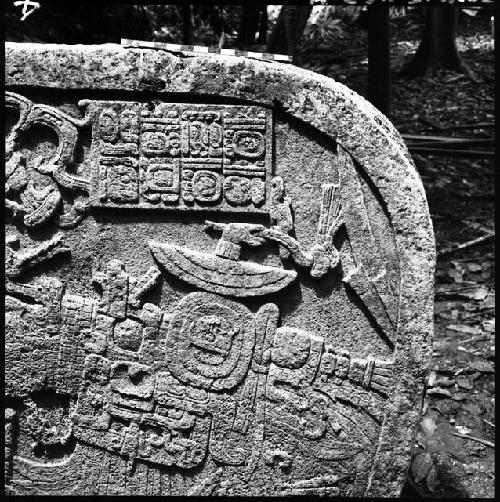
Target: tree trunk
point(187, 25)
point(287, 33)
point(277, 39)
point(249, 25)
point(218, 24)
point(438, 48)
point(379, 61)
point(253, 20)
point(262, 38)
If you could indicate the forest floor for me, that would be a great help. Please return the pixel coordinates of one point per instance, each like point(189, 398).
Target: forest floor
point(454, 451)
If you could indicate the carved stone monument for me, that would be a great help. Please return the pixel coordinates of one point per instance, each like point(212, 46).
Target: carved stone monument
point(219, 279)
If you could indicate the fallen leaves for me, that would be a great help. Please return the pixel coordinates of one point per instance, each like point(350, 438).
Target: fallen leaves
point(423, 468)
point(480, 294)
point(464, 383)
point(460, 385)
point(489, 326)
point(468, 290)
point(482, 366)
point(460, 388)
point(463, 328)
point(438, 391)
point(461, 429)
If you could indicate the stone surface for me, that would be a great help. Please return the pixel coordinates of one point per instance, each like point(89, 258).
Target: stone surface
point(219, 279)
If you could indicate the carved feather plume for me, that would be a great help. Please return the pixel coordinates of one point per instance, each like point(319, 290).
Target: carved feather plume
point(330, 217)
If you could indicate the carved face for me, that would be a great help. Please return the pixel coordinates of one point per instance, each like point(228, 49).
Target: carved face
point(108, 125)
point(327, 364)
point(215, 135)
point(197, 135)
point(40, 197)
point(132, 385)
point(38, 189)
point(128, 335)
point(175, 143)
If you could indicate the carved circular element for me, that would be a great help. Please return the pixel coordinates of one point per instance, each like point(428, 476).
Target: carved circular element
point(210, 341)
point(207, 186)
point(249, 144)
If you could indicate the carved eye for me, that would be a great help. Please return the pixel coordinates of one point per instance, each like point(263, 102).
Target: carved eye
point(138, 377)
point(120, 369)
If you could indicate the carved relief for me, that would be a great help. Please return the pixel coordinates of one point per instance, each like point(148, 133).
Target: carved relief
point(38, 187)
point(48, 425)
point(143, 155)
point(17, 261)
point(207, 380)
point(376, 276)
point(323, 255)
point(210, 342)
point(175, 156)
point(204, 382)
point(223, 272)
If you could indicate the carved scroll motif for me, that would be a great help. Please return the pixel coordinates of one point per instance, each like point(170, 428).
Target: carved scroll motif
point(18, 261)
point(39, 188)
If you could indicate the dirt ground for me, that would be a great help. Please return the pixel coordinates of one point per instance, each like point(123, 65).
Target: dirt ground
point(454, 451)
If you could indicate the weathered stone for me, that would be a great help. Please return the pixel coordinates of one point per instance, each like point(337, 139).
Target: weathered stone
point(219, 279)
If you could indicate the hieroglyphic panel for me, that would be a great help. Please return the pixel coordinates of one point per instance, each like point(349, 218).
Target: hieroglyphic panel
point(180, 156)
